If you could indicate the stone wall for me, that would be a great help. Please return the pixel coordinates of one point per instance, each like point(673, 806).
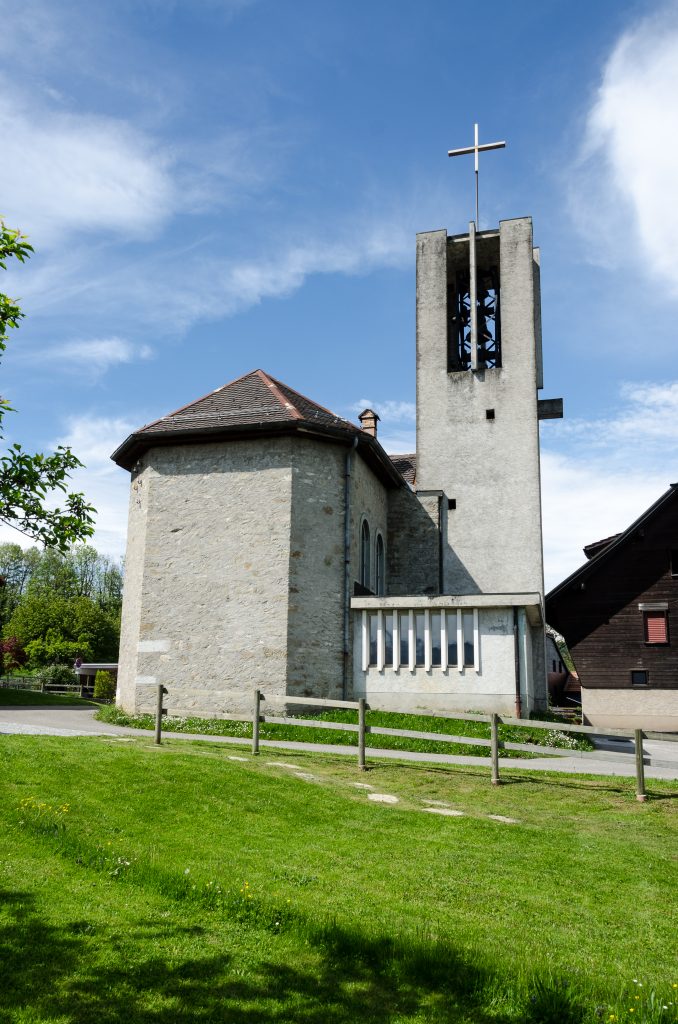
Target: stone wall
point(413, 543)
point(316, 570)
point(207, 580)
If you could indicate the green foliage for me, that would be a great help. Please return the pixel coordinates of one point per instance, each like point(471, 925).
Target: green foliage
point(58, 675)
point(53, 628)
point(28, 482)
point(104, 685)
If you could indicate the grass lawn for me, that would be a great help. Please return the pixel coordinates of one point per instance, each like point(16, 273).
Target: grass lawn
point(184, 883)
point(34, 698)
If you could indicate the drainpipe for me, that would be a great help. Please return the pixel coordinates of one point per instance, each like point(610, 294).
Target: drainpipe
point(516, 649)
point(347, 569)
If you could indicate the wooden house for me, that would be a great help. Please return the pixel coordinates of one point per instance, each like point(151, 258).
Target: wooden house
point(619, 616)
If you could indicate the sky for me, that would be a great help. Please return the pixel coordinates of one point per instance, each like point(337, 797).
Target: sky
point(213, 186)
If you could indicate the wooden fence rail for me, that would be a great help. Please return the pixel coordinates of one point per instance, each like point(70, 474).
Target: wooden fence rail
point(493, 720)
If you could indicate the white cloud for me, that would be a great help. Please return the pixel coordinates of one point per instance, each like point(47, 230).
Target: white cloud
point(599, 475)
point(63, 173)
point(623, 190)
point(104, 484)
point(91, 358)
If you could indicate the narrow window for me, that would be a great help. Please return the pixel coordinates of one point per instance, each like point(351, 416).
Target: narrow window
point(452, 654)
point(656, 627)
point(404, 631)
point(419, 639)
point(436, 659)
point(639, 678)
point(381, 566)
point(373, 622)
point(469, 649)
point(388, 638)
point(365, 555)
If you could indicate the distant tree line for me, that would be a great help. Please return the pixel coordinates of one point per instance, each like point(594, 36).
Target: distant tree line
point(56, 607)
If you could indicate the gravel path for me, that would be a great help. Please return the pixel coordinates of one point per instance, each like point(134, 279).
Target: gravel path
point(31, 721)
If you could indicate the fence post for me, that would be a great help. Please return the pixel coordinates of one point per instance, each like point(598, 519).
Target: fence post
point(255, 722)
point(361, 734)
point(641, 795)
point(494, 748)
point(159, 711)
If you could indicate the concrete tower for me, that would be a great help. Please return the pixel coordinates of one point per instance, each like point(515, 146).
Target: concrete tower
point(479, 368)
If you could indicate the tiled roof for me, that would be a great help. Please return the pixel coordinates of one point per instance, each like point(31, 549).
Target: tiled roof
point(253, 399)
point(258, 405)
point(406, 466)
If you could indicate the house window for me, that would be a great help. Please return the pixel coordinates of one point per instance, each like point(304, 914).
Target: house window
point(373, 637)
point(388, 638)
point(381, 567)
point(404, 633)
point(468, 632)
point(452, 648)
point(656, 625)
point(639, 678)
point(365, 555)
point(419, 638)
point(436, 649)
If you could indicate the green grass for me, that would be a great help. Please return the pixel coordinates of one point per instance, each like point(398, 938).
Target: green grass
point(173, 884)
point(386, 719)
point(34, 698)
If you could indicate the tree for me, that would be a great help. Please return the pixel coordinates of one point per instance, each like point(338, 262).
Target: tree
point(29, 483)
point(51, 628)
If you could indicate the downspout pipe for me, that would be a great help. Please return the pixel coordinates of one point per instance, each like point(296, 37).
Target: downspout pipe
point(347, 569)
point(516, 649)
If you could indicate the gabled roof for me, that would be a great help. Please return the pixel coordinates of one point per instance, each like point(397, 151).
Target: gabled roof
point(253, 405)
point(616, 543)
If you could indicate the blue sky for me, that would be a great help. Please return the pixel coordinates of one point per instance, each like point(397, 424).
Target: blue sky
point(217, 185)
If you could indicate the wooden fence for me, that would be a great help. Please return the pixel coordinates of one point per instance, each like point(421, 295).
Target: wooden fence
point(494, 742)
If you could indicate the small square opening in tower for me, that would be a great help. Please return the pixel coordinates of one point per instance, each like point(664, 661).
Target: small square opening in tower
point(489, 414)
point(451, 502)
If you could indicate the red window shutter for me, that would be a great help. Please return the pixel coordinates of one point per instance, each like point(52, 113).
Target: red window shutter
point(655, 628)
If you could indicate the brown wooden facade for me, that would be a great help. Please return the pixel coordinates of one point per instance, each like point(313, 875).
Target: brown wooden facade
point(610, 610)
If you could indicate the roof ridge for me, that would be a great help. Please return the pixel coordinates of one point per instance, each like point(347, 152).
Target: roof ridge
point(274, 387)
point(312, 401)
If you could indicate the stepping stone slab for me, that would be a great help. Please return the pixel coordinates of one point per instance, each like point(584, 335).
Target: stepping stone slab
point(282, 764)
point(232, 757)
point(382, 798)
point(506, 821)
point(362, 785)
point(306, 776)
point(447, 811)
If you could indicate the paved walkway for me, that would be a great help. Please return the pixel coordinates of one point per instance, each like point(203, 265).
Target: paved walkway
point(64, 721)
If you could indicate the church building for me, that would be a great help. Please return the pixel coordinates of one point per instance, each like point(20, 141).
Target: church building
point(274, 545)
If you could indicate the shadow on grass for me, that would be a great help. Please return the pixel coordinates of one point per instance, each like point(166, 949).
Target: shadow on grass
point(340, 976)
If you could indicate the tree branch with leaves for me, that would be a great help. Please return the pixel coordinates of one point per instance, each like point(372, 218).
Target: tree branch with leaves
point(29, 484)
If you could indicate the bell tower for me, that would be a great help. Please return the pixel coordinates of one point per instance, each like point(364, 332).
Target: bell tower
point(479, 370)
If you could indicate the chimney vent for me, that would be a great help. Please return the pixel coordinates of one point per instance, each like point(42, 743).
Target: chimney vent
point(368, 421)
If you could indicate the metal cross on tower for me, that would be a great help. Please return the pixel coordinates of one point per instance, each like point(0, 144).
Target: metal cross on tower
point(476, 149)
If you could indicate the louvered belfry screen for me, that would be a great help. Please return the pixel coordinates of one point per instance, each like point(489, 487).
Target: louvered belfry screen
point(459, 320)
point(656, 631)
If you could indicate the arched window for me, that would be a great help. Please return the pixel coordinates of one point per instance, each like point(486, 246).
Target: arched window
point(365, 555)
point(380, 567)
